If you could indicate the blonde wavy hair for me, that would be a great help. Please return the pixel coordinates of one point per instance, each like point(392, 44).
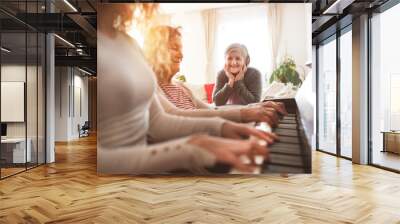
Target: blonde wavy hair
point(114, 17)
point(156, 49)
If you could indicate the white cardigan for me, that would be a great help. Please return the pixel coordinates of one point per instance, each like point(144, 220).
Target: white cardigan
point(130, 115)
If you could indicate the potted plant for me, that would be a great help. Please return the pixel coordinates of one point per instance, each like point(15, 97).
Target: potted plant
point(180, 77)
point(286, 73)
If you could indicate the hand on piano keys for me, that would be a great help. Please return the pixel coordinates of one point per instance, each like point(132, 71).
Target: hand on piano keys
point(268, 112)
point(285, 154)
point(234, 130)
point(278, 106)
point(290, 154)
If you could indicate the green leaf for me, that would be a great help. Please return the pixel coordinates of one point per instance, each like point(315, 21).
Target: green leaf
point(286, 73)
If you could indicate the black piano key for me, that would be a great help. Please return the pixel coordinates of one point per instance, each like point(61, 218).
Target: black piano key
point(280, 145)
point(288, 154)
point(285, 132)
point(285, 145)
point(285, 160)
point(290, 149)
point(289, 139)
point(282, 169)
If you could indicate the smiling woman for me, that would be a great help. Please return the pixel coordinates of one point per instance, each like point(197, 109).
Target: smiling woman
point(163, 49)
point(236, 83)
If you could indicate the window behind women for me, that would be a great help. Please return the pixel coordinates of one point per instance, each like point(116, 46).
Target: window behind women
point(237, 83)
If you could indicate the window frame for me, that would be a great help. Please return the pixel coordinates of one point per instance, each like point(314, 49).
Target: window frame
point(379, 10)
point(334, 37)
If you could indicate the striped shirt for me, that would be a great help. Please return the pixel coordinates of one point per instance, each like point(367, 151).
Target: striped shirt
point(179, 96)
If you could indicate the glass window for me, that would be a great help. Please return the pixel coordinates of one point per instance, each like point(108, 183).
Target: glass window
point(15, 149)
point(22, 92)
point(385, 84)
point(327, 97)
point(41, 98)
point(346, 94)
point(31, 101)
point(233, 28)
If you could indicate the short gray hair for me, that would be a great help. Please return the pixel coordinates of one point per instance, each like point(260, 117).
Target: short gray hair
point(241, 48)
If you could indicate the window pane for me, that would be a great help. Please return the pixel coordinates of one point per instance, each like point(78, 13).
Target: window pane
point(386, 88)
point(41, 98)
point(31, 100)
point(15, 150)
point(327, 97)
point(346, 94)
point(22, 90)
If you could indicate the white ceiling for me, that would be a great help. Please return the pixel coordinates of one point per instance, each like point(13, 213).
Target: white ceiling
point(171, 8)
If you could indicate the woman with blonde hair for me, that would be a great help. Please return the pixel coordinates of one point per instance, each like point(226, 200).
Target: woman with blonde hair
point(163, 50)
point(130, 115)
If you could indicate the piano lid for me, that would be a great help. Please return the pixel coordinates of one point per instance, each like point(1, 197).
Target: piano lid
point(305, 98)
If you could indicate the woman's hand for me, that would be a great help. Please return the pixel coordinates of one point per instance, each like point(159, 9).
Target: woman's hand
point(240, 76)
point(278, 106)
point(260, 114)
point(242, 131)
point(231, 77)
point(229, 151)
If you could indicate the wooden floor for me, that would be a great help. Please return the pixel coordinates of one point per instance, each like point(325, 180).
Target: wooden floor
point(10, 171)
point(70, 191)
point(387, 159)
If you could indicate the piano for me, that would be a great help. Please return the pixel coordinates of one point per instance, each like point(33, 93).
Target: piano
point(292, 153)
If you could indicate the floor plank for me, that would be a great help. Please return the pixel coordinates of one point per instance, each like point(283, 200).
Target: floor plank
point(70, 191)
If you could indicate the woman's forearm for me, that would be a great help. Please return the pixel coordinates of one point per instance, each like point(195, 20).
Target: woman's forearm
point(164, 126)
point(153, 159)
point(222, 95)
point(229, 114)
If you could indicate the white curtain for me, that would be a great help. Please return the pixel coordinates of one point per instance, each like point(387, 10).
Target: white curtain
point(274, 13)
point(210, 23)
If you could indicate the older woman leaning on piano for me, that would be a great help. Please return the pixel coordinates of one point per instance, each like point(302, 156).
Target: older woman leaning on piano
point(163, 49)
point(237, 83)
point(131, 116)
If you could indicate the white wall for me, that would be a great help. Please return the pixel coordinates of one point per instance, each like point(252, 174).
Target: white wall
point(80, 83)
point(62, 80)
point(17, 73)
point(68, 83)
point(33, 127)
